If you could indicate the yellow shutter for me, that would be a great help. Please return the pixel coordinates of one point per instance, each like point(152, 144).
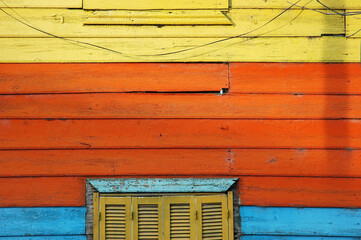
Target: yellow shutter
point(115, 218)
point(212, 220)
point(179, 218)
point(147, 218)
point(155, 4)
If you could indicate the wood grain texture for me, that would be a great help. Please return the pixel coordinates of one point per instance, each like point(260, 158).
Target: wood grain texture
point(124, 162)
point(301, 162)
point(297, 49)
point(41, 221)
point(300, 191)
point(301, 221)
point(301, 78)
point(72, 23)
point(42, 192)
point(179, 133)
point(111, 77)
point(275, 237)
point(41, 4)
point(160, 185)
point(180, 162)
point(180, 106)
point(335, 4)
point(353, 28)
point(67, 237)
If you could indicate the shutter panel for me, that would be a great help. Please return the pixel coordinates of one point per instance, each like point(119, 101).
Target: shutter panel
point(179, 217)
point(147, 218)
point(212, 217)
point(115, 218)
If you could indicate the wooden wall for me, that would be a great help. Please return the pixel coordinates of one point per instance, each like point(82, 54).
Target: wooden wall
point(290, 132)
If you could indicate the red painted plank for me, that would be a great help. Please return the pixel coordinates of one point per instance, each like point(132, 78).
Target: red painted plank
point(42, 192)
point(302, 162)
point(111, 77)
point(126, 162)
point(125, 105)
point(306, 78)
point(110, 162)
point(179, 133)
point(300, 191)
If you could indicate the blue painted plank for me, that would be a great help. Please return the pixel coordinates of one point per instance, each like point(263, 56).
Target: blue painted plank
point(340, 222)
point(42, 221)
point(255, 237)
point(79, 237)
point(157, 185)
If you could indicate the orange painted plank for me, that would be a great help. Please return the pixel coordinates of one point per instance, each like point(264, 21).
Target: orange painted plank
point(293, 162)
point(306, 78)
point(111, 77)
point(121, 162)
point(300, 191)
point(42, 192)
point(179, 133)
point(133, 105)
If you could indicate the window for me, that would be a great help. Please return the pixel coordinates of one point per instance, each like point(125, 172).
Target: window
point(163, 217)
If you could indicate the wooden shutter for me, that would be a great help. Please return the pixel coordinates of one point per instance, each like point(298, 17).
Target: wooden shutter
point(212, 222)
point(147, 223)
point(115, 218)
point(179, 218)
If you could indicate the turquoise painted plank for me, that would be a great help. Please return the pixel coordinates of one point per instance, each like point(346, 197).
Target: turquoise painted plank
point(255, 237)
point(340, 222)
point(157, 185)
point(80, 237)
point(42, 221)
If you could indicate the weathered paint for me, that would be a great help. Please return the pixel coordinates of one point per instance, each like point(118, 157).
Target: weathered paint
point(178, 133)
point(42, 221)
point(74, 237)
point(158, 185)
point(301, 221)
point(295, 78)
point(137, 105)
point(260, 237)
point(98, 77)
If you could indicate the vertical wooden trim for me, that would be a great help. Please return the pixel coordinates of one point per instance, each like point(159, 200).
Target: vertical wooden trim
point(230, 217)
point(102, 217)
point(96, 216)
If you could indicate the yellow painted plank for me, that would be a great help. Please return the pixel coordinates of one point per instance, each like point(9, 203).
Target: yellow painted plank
point(353, 24)
point(41, 3)
point(298, 49)
point(247, 22)
point(159, 4)
point(96, 216)
point(334, 4)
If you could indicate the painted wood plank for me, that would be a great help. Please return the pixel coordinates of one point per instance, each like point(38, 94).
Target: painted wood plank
point(180, 106)
point(126, 162)
point(42, 192)
point(334, 4)
point(41, 4)
point(298, 49)
point(353, 28)
point(42, 221)
point(301, 221)
point(70, 237)
point(179, 133)
point(160, 4)
point(295, 162)
point(159, 185)
point(307, 78)
point(264, 237)
point(98, 77)
point(246, 22)
point(300, 191)
point(121, 162)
